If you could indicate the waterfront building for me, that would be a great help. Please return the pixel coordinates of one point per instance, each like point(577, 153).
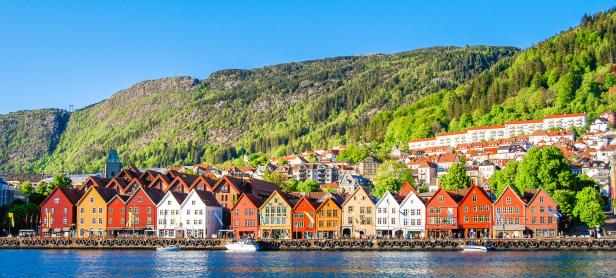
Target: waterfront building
point(116, 215)
point(442, 213)
point(474, 213)
point(58, 212)
point(92, 212)
point(541, 220)
point(413, 214)
point(328, 217)
point(141, 207)
point(201, 215)
point(169, 219)
point(387, 216)
point(229, 189)
point(245, 216)
point(508, 214)
point(358, 213)
point(275, 213)
point(303, 218)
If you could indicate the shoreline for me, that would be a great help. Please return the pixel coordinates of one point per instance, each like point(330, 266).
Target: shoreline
point(548, 244)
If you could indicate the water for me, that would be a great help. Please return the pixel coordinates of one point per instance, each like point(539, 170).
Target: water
point(95, 263)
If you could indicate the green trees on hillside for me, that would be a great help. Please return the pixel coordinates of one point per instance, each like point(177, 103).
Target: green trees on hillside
point(391, 175)
point(456, 178)
point(547, 168)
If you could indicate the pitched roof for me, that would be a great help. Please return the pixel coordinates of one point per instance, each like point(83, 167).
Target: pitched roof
point(105, 193)
point(207, 197)
point(565, 116)
point(406, 189)
point(73, 195)
point(179, 196)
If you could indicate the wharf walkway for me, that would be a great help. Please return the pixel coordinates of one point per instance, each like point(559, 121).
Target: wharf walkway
point(341, 244)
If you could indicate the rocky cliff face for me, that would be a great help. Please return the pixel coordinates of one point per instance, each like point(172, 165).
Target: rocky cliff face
point(26, 136)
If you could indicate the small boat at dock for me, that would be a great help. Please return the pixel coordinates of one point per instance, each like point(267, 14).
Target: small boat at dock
point(473, 248)
point(248, 244)
point(169, 248)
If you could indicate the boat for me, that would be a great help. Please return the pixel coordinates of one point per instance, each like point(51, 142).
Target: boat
point(168, 248)
point(473, 248)
point(248, 244)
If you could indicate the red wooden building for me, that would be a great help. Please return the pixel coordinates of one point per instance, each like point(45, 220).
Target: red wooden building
point(245, 216)
point(442, 213)
point(540, 222)
point(117, 215)
point(141, 207)
point(59, 213)
point(474, 212)
point(508, 214)
point(303, 218)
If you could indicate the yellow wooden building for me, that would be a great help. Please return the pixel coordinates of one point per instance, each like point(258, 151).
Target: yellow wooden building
point(92, 212)
point(275, 216)
point(329, 219)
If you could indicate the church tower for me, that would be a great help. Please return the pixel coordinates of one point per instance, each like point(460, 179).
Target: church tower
point(113, 165)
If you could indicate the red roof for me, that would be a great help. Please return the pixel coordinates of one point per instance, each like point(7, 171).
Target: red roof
point(524, 122)
point(422, 140)
point(565, 116)
point(487, 127)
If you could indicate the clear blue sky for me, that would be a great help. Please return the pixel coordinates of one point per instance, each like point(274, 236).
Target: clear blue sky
point(56, 53)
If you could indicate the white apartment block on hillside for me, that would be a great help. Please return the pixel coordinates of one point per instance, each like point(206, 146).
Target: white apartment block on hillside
point(496, 132)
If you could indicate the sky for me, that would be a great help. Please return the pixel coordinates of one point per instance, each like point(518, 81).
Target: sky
point(59, 53)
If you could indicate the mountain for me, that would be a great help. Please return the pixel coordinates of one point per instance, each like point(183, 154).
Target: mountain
point(571, 72)
point(282, 108)
point(382, 99)
point(26, 136)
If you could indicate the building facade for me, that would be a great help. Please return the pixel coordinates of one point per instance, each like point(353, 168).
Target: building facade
point(541, 220)
point(245, 217)
point(59, 214)
point(276, 221)
point(508, 214)
point(474, 214)
point(358, 214)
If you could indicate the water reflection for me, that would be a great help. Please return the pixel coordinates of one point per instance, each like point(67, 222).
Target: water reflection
point(98, 263)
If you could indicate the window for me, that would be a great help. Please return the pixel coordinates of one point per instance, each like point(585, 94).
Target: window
point(237, 223)
point(81, 221)
point(110, 220)
point(91, 200)
point(100, 210)
point(122, 211)
point(82, 210)
point(56, 201)
point(148, 220)
point(466, 218)
point(440, 199)
point(93, 220)
point(193, 202)
point(465, 208)
point(508, 200)
point(64, 220)
point(93, 210)
point(474, 198)
point(100, 221)
point(236, 212)
point(541, 199)
point(149, 210)
point(139, 199)
point(350, 209)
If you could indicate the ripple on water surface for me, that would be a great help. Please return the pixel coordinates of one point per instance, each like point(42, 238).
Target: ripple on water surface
point(99, 263)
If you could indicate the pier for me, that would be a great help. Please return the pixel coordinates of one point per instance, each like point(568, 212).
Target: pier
point(322, 245)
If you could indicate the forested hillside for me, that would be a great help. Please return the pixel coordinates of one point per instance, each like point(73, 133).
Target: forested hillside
point(26, 136)
point(382, 99)
point(568, 73)
point(284, 108)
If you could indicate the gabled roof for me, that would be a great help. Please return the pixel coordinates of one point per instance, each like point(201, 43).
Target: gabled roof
point(336, 200)
point(388, 195)
point(123, 198)
point(95, 181)
point(207, 197)
point(284, 197)
point(255, 200)
point(532, 194)
point(205, 180)
point(446, 193)
point(406, 189)
point(72, 195)
point(155, 195)
point(410, 196)
point(514, 193)
point(105, 193)
point(360, 188)
point(311, 202)
point(469, 190)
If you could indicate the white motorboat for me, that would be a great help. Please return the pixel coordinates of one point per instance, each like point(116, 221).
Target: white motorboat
point(243, 245)
point(168, 248)
point(473, 248)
